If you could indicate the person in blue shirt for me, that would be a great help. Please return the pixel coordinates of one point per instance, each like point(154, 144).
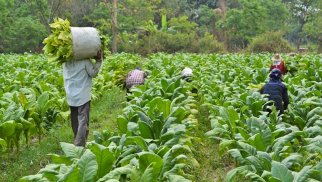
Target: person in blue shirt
point(276, 91)
point(78, 76)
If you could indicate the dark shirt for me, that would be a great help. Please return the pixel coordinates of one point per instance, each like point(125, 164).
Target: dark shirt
point(277, 92)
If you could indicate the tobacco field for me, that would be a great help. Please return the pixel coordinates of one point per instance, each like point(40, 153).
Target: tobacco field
point(155, 138)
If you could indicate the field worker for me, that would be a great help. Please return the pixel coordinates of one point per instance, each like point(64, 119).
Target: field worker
point(186, 74)
point(276, 90)
point(134, 77)
point(277, 62)
point(78, 76)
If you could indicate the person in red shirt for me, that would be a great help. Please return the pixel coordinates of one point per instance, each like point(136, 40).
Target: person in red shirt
point(278, 62)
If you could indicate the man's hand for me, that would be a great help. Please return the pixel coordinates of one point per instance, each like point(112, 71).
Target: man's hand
point(99, 56)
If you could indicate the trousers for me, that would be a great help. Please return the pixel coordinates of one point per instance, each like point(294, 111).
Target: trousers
point(80, 123)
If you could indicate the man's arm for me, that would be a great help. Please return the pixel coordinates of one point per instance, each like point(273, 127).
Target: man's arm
point(93, 69)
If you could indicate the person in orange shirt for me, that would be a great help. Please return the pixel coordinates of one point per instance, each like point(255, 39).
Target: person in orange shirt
point(278, 63)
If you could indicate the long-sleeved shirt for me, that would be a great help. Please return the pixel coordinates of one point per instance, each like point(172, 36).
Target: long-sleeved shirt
point(78, 80)
point(279, 65)
point(277, 92)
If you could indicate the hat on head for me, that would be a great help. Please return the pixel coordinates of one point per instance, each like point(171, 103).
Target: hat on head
point(277, 57)
point(275, 74)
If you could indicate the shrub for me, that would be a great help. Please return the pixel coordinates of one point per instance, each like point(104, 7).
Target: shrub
point(22, 34)
point(269, 42)
point(207, 44)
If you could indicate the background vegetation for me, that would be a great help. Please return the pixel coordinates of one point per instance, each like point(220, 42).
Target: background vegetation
point(148, 26)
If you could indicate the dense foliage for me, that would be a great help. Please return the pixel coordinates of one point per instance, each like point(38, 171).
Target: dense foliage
point(32, 95)
point(155, 135)
point(149, 26)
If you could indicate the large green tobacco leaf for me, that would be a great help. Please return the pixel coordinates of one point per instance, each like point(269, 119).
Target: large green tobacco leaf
point(170, 155)
point(3, 145)
point(173, 135)
point(87, 166)
point(262, 136)
point(145, 130)
point(71, 150)
point(150, 166)
point(7, 129)
point(281, 172)
point(58, 45)
point(122, 125)
point(147, 158)
point(136, 141)
point(162, 105)
point(105, 159)
point(42, 103)
point(235, 153)
point(116, 173)
point(279, 143)
point(177, 178)
point(34, 178)
point(303, 175)
point(51, 171)
point(293, 159)
point(226, 144)
point(147, 175)
point(230, 116)
point(69, 174)
point(242, 172)
point(57, 159)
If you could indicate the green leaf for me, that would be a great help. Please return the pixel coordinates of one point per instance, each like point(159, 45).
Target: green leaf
point(177, 178)
point(147, 175)
point(71, 150)
point(303, 175)
point(281, 172)
point(7, 129)
point(145, 130)
point(70, 174)
point(3, 145)
point(136, 141)
point(122, 124)
point(147, 158)
point(235, 153)
point(162, 105)
point(42, 102)
point(247, 148)
point(226, 144)
point(232, 174)
point(116, 173)
point(87, 166)
point(105, 159)
point(33, 178)
point(57, 159)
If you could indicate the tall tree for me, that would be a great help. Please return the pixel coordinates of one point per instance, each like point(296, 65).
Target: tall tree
point(114, 27)
point(303, 12)
point(252, 18)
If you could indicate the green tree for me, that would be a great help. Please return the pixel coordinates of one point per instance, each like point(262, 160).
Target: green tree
point(252, 18)
point(20, 30)
point(304, 13)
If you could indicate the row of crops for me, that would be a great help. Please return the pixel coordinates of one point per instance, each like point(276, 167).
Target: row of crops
point(266, 147)
point(155, 135)
point(32, 96)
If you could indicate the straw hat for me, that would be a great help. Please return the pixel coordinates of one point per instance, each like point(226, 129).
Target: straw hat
point(276, 57)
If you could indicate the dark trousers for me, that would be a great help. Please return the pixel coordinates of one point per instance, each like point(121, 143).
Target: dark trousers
point(80, 123)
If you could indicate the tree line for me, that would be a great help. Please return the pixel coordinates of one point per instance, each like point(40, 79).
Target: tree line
point(148, 26)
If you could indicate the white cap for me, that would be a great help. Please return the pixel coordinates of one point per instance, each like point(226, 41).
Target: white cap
point(186, 72)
